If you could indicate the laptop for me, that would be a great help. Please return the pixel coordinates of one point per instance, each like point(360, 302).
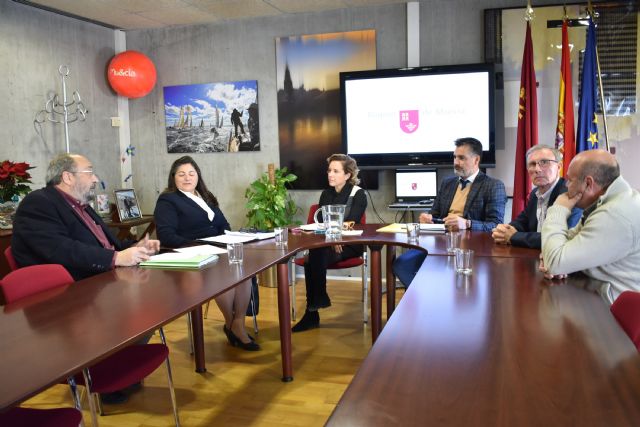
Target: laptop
point(415, 188)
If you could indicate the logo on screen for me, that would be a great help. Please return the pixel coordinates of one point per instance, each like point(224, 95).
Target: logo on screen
point(414, 186)
point(409, 120)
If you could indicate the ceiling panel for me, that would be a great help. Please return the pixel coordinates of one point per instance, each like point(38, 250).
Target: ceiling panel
point(136, 14)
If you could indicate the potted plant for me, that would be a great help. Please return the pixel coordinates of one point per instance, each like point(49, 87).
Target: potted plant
point(269, 205)
point(13, 185)
point(13, 180)
point(268, 202)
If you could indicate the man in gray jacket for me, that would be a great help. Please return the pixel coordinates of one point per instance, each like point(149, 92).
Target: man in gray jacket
point(605, 244)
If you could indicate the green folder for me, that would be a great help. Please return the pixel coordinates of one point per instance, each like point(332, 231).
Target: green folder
point(179, 260)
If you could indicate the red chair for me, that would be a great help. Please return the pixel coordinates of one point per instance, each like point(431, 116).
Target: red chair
point(346, 263)
point(24, 282)
point(626, 310)
point(120, 370)
point(20, 284)
point(10, 259)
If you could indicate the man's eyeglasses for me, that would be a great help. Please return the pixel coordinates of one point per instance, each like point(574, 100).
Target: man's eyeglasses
point(90, 172)
point(544, 163)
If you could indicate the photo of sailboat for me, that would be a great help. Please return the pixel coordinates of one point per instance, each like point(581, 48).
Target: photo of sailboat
point(207, 105)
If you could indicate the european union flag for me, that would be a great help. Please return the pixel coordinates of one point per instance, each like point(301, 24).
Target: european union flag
point(587, 136)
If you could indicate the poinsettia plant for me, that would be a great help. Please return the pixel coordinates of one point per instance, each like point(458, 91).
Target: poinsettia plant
point(13, 180)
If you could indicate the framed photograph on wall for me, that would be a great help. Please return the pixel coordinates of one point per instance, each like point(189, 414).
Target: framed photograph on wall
point(212, 117)
point(308, 94)
point(127, 204)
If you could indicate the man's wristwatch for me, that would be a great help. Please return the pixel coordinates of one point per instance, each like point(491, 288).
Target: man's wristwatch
point(468, 224)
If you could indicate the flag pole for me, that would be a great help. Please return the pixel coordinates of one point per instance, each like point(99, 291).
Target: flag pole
point(529, 14)
point(604, 111)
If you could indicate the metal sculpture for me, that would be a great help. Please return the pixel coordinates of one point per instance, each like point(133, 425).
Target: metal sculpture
point(64, 112)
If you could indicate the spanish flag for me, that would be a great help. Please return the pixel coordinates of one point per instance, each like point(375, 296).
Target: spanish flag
point(527, 126)
point(565, 136)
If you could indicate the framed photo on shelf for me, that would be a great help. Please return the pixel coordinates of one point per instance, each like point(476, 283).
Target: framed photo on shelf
point(127, 205)
point(103, 205)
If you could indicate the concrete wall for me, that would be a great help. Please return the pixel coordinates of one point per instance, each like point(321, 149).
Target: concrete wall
point(451, 33)
point(240, 50)
point(33, 44)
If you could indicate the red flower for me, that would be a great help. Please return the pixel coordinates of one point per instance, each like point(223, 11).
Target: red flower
point(5, 169)
point(20, 169)
point(13, 179)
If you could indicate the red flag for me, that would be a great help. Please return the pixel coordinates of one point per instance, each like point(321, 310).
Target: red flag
point(565, 136)
point(527, 127)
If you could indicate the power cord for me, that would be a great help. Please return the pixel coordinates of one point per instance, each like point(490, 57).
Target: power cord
point(373, 205)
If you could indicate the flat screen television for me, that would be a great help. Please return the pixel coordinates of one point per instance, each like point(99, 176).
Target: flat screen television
point(412, 116)
point(416, 185)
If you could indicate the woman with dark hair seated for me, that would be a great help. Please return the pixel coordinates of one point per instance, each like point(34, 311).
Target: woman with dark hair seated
point(342, 175)
point(186, 211)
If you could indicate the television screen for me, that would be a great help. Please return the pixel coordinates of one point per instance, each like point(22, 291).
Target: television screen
point(416, 185)
point(404, 117)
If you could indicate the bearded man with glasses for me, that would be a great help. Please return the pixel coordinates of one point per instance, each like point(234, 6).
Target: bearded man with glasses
point(543, 166)
point(56, 225)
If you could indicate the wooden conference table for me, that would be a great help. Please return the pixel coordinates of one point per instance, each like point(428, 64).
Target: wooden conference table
point(95, 317)
point(503, 347)
point(50, 336)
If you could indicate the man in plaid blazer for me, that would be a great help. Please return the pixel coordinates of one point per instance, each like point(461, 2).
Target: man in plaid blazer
point(470, 200)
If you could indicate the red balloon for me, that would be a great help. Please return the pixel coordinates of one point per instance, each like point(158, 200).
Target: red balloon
point(131, 74)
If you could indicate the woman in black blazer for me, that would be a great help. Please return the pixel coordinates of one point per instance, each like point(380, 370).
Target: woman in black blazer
point(187, 211)
point(342, 177)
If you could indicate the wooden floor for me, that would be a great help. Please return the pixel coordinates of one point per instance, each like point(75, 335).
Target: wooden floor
point(244, 388)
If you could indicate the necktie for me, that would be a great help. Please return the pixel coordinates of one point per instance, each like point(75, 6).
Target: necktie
point(463, 183)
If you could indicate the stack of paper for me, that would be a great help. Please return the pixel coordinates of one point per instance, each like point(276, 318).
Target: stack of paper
point(432, 228)
point(179, 260)
point(236, 237)
point(402, 228)
point(201, 250)
point(256, 236)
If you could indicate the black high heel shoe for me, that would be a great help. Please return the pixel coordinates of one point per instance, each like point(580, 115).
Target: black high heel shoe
point(236, 342)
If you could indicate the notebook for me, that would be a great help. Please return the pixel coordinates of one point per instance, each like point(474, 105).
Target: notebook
point(179, 260)
point(415, 188)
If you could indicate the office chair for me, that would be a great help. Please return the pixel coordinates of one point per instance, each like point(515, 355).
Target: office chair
point(10, 259)
point(15, 286)
point(128, 366)
point(626, 310)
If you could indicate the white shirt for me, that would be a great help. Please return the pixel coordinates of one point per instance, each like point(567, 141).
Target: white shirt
point(543, 204)
point(470, 178)
point(200, 201)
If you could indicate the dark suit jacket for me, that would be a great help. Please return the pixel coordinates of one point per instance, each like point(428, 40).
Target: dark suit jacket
point(484, 205)
point(47, 231)
point(527, 222)
point(179, 220)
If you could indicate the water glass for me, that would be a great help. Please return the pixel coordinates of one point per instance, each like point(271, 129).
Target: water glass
point(453, 241)
point(464, 261)
point(235, 252)
point(413, 231)
point(333, 220)
point(281, 236)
